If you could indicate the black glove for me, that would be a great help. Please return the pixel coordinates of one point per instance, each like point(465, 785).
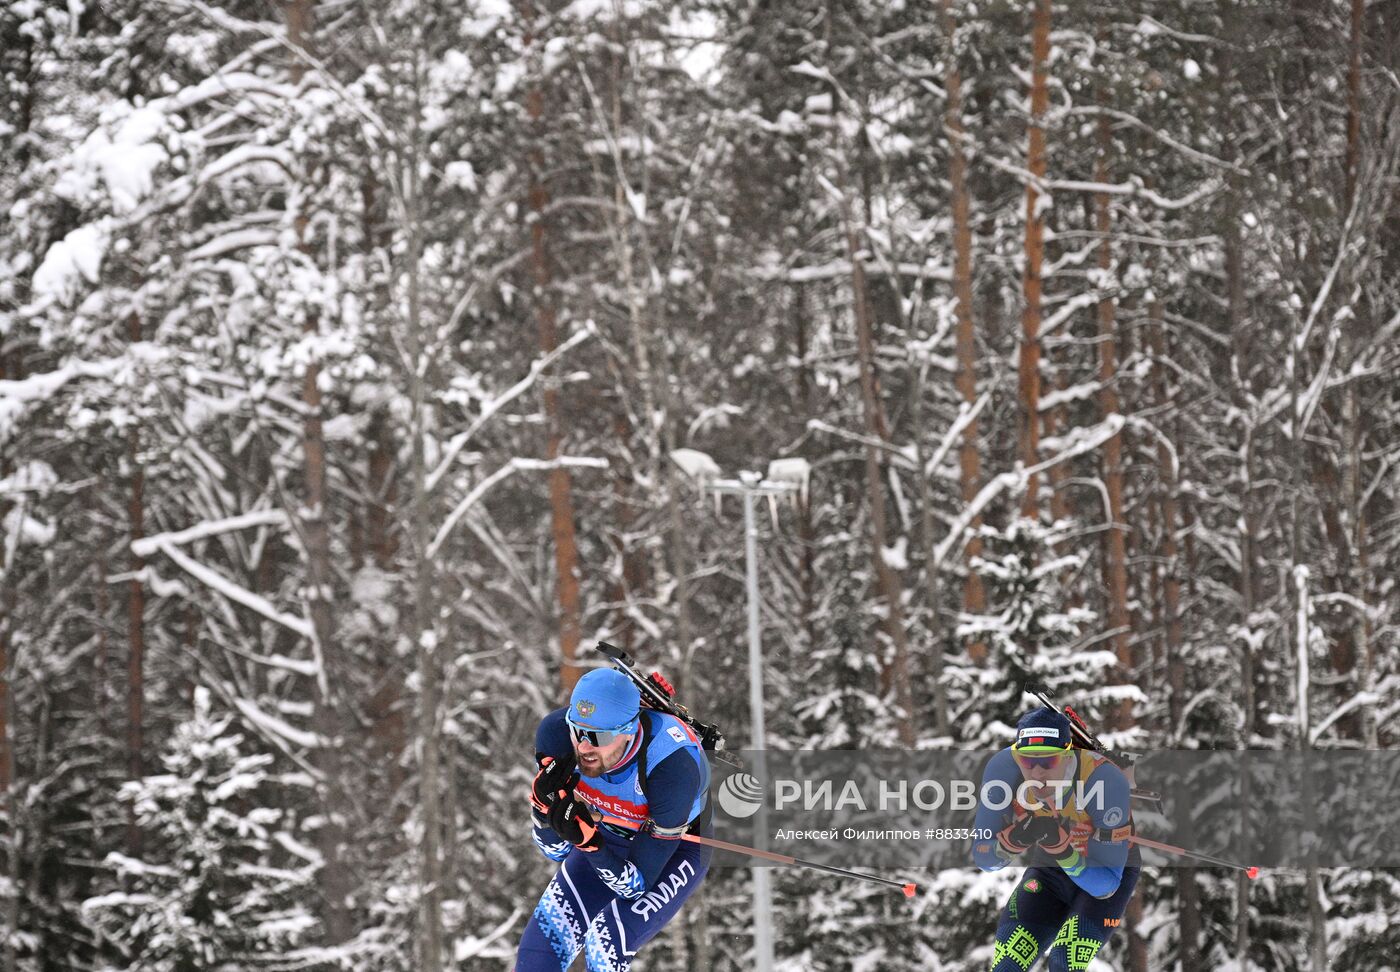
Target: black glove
point(554, 775)
point(1054, 839)
point(1030, 830)
point(571, 819)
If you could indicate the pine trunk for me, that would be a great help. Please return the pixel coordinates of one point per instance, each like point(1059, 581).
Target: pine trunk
point(895, 673)
point(385, 707)
point(315, 539)
point(1356, 42)
point(806, 532)
point(1301, 629)
point(1029, 364)
point(102, 604)
point(561, 504)
point(1115, 552)
point(969, 458)
point(641, 463)
point(894, 670)
point(917, 381)
point(1355, 422)
point(1189, 911)
point(1053, 423)
point(12, 369)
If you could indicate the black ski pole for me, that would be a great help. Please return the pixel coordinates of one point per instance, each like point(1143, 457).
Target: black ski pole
point(1250, 872)
point(909, 888)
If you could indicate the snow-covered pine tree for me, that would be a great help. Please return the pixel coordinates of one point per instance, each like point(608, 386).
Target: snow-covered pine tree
point(224, 877)
point(1034, 631)
point(834, 923)
point(849, 713)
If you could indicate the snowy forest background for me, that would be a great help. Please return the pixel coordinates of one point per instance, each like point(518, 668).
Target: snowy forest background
point(346, 345)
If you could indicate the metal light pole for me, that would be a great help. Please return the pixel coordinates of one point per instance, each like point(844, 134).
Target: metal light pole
point(750, 485)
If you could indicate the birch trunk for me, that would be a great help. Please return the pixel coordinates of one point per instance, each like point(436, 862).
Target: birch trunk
point(135, 611)
point(8, 789)
point(424, 623)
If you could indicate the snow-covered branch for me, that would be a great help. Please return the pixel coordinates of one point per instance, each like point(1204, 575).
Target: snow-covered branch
point(516, 465)
point(1357, 701)
point(1062, 396)
point(220, 584)
point(17, 396)
point(1135, 188)
point(840, 268)
point(966, 416)
point(491, 408)
point(1132, 188)
point(271, 725)
point(1075, 443)
point(211, 528)
point(898, 456)
point(1074, 305)
point(1194, 154)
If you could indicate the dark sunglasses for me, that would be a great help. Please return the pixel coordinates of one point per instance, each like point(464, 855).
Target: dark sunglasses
point(1041, 762)
point(598, 738)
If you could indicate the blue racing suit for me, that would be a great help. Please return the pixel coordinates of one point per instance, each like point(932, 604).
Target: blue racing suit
point(608, 902)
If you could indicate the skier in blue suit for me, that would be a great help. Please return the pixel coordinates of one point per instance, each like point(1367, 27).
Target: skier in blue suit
point(1070, 810)
point(603, 755)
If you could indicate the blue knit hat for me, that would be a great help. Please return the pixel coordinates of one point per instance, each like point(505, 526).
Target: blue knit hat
point(1042, 730)
point(604, 699)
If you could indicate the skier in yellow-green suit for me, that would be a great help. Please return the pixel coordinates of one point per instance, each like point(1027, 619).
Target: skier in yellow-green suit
point(1070, 814)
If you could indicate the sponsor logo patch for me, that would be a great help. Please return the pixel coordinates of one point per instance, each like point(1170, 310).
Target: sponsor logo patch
point(1038, 731)
point(1122, 833)
point(1112, 922)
